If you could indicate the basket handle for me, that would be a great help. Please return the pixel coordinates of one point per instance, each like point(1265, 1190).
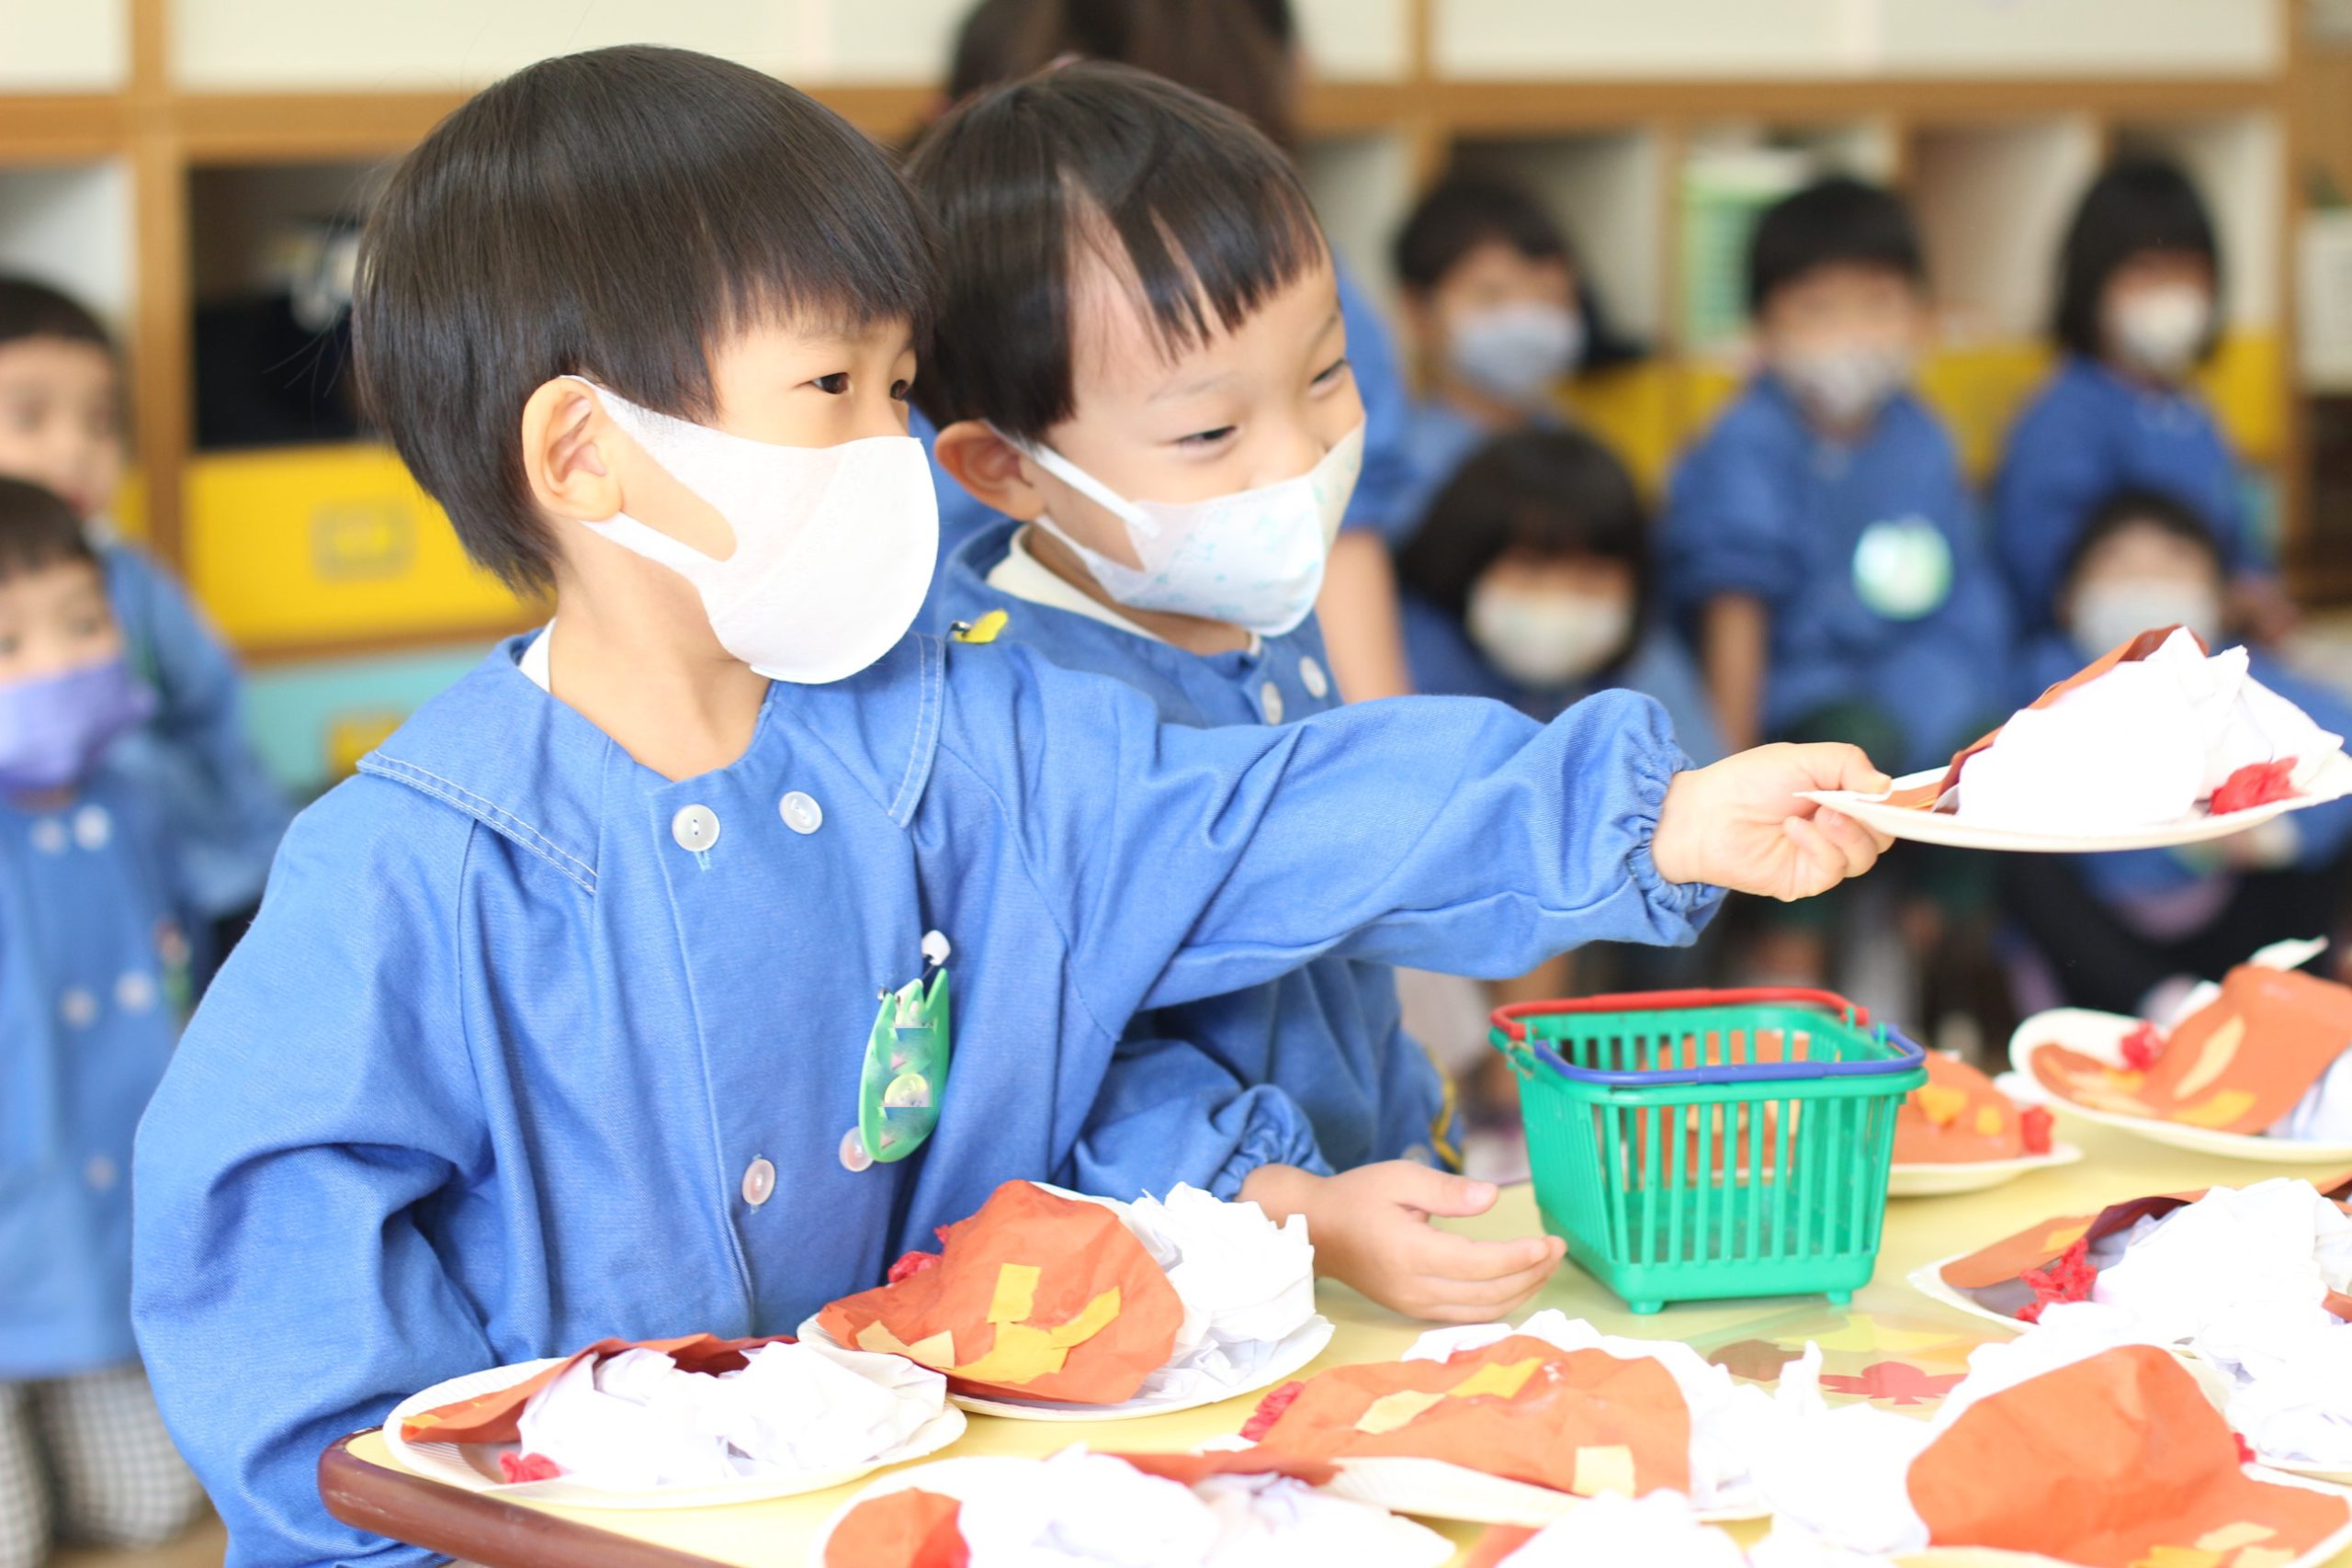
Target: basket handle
point(1507, 1021)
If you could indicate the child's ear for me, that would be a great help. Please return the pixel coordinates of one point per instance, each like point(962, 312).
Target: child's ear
point(569, 472)
point(984, 464)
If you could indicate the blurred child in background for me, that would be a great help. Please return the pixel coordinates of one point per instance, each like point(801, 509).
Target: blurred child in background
point(1244, 55)
point(2122, 931)
point(2139, 308)
point(62, 426)
point(93, 980)
point(1820, 544)
point(1493, 309)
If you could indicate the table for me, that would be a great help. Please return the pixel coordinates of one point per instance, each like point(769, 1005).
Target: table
point(364, 1486)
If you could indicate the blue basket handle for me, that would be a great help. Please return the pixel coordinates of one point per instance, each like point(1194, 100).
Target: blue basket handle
point(1909, 1054)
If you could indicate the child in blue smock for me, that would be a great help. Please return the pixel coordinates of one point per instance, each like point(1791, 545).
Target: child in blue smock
point(2120, 930)
point(93, 980)
point(62, 426)
point(556, 1022)
point(2139, 291)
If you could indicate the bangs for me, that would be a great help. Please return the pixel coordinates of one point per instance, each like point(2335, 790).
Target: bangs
point(1197, 214)
point(37, 530)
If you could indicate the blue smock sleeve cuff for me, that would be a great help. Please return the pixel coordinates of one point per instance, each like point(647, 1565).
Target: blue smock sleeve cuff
point(1275, 1132)
point(1695, 902)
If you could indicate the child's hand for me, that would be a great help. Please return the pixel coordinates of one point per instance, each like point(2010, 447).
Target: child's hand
point(1371, 1229)
point(1741, 824)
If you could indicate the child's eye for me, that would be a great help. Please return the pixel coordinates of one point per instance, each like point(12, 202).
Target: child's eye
point(836, 384)
point(1330, 374)
point(1206, 437)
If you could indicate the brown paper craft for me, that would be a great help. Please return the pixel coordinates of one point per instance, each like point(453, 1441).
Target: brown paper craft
point(1037, 1296)
point(2118, 1461)
point(1926, 797)
point(1579, 1421)
point(1957, 1117)
point(2236, 1066)
point(494, 1418)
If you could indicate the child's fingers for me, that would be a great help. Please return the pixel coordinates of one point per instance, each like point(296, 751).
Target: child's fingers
point(1483, 1301)
point(1440, 1192)
point(1446, 1256)
point(1820, 864)
point(1860, 847)
point(1831, 765)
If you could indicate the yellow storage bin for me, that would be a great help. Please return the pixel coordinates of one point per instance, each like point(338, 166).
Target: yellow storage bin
point(312, 546)
point(1632, 408)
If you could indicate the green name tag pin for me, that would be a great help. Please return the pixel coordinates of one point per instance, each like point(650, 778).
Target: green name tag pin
point(906, 1066)
point(1903, 568)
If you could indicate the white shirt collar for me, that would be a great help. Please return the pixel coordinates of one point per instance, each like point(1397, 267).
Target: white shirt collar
point(1024, 577)
point(534, 664)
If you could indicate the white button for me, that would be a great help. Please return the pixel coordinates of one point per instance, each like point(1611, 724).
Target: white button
point(758, 1182)
point(99, 1173)
point(171, 943)
point(78, 1009)
point(1270, 697)
point(853, 1155)
point(1311, 676)
point(695, 828)
point(801, 812)
point(135, 991)
point(49, 835)
point(92, 827)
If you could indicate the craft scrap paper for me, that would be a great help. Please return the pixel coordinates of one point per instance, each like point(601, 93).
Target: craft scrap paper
point(1957, 1117)
point(1247, 1286)
point(1039, 1295)
point(494, 1418)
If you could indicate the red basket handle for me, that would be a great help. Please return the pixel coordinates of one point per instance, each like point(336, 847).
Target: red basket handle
point(1507, 1019)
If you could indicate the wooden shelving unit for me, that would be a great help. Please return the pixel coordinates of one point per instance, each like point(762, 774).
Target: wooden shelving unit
point(1614, 114)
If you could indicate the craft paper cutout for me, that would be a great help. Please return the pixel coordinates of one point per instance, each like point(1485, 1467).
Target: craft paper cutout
point(1892, 1382)
point(1038, 1295)
point(494, 1418)
point(1958, 1117)
point(2239, 1065)
point(912, 1528)
point(1660, 1530)
point(2118, 1461)
point(1580, 1421)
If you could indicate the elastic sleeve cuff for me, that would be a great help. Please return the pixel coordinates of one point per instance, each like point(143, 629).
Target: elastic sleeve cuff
point(1655, 767)
point(1722, 567)
point(1276, 1133)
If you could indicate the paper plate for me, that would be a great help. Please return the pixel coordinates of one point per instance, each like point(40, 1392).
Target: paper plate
point(1436, 1489)
point(474, 1466)
point(2335, 782)
point(2100, 1035)
point(1293, 1353)
point(1972, 1175)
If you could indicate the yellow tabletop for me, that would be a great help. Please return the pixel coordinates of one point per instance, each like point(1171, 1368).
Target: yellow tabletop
point(1918, 1230)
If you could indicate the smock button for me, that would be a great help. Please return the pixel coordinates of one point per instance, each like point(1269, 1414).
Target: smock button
point(99, 1173)
point(78, 1009)
point(801, 812)
point(853, 1155)
point(695, 828)
point(134, 991)
point(758, 1182)
point(49, 835)
point(1311, 676)
point(1270, 697)
point(92, 827)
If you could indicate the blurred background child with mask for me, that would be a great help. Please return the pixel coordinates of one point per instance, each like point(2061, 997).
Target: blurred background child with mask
point(2138, 289)
point(2122, 932)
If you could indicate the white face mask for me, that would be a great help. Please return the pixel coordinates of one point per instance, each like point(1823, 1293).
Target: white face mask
point(1516, 351)
point(2109, 613)
point(1253, 558)
point(1547, 640)
point(2161, 328)
point(1846, 385)
point(834, 545)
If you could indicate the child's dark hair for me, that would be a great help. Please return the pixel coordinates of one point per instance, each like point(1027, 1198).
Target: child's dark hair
point(2141, 206)
point(1234, 53)
point(28, 309)
point(1546, 492)
point(1204, 215)
point(1463, 213)
point(1838, 221)
point(2137, 507)
point(617, 215)
point(38, 530)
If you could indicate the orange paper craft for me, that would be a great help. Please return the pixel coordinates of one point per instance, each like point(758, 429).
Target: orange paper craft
point(1926, 797)
point(2238, 1064)
point(1037, 1296)
point(2118, 1461)
point(1957, 1117)
point(494, 1418)
point(1579, 1421)
point(908, 1529)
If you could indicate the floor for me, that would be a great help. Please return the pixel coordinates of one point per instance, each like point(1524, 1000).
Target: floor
point(200, 1548)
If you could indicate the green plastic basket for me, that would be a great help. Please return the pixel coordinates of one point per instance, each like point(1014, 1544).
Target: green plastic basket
point(1693, 1146)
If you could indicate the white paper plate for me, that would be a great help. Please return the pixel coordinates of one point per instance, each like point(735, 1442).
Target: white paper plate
point(2325, 1553)
point(2334, 782)
point(1972, 1175)
point(2100, 1035)
point(1435, 1489)
point(1293, 1353)
point(474, 1466)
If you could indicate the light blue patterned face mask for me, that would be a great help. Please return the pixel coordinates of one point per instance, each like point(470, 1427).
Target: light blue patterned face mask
point(1253, 558)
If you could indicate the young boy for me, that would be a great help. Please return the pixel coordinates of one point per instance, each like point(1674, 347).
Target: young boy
point(555, 1023)
point(1819, 542)
point(93, 971)
point(1492, 305)
point(60, 426)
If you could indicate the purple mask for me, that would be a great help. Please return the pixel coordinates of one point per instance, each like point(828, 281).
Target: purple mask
point(53, 729)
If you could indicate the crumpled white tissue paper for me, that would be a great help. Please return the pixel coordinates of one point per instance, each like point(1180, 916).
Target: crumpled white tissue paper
point(634, 1421)
point(1661, 1530)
